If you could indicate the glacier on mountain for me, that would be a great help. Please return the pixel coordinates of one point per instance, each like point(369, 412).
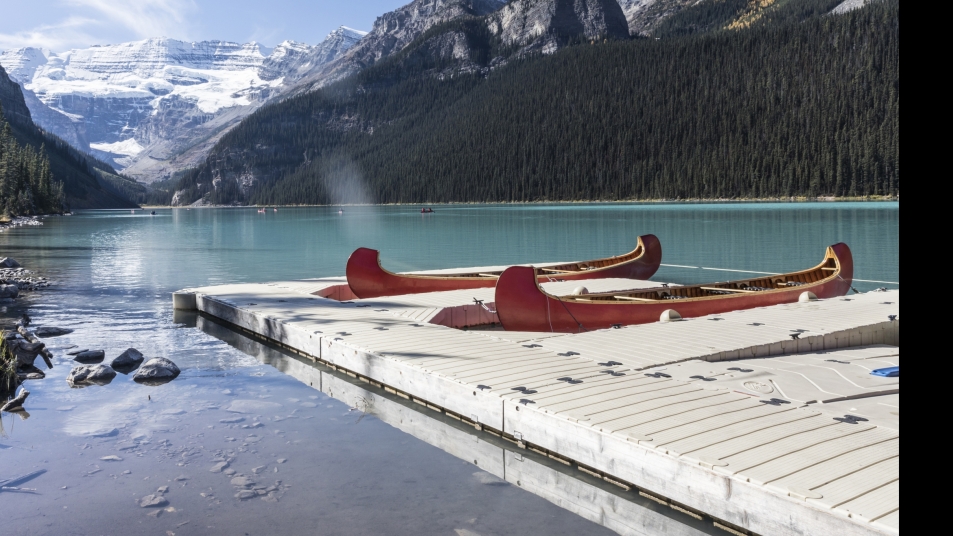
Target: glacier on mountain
point(129, 101)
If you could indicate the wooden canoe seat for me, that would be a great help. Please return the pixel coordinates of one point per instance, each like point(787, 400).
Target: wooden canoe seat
point(825, 268)
point(630, 298)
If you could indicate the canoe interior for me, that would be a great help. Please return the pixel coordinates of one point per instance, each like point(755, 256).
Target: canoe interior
point(825, 271)
point(593, 265)
point(562, 269)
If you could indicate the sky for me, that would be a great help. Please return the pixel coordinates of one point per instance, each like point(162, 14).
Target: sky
point(60, 25)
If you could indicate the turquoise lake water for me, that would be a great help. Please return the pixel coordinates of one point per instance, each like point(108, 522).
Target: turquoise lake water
point(181, 248)
point(334, 469)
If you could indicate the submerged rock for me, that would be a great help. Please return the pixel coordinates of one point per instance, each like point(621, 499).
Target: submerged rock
point(8, 262)
point(84, 375)
point(90, 356)
point(219, 467)
point(49, 331)
point(153, 500)
point(156, 371)
point(127, 361)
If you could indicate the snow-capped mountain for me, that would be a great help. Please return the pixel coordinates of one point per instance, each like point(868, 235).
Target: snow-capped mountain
point(147, 106)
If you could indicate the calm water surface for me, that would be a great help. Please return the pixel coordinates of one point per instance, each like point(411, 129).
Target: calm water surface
point(326, 466)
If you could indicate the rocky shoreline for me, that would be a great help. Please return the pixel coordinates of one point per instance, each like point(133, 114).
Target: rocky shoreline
point(20, 346)
point(20, 221)
point(14, 279)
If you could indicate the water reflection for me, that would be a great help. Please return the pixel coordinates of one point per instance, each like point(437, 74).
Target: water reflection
point(500, 462)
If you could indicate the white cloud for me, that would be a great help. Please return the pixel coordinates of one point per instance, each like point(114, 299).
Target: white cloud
point(145, 18)
point(58, 36)
point(101, 21)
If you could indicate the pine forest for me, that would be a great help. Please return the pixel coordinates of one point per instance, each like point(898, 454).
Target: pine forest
point(793, 103)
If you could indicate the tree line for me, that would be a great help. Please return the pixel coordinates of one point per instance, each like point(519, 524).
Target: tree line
point(26, 181)
point(794, 103)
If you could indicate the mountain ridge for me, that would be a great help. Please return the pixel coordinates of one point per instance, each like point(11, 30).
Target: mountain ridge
point(170, 97)
point(87, 183)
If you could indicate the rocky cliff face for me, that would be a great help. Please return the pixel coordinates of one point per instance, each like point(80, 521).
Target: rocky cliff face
point(644, 15)
point(140, 105)
point(395, 30)
point(11, 98)
point(544, 24)
point(294, 60)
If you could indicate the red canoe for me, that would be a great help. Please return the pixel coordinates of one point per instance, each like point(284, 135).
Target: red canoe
point(368, 279)
point(523, 306)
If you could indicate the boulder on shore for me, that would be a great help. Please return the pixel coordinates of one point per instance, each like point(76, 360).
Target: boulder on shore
point(49, 331)
point(156, 371)
point(90, 356)
point(7, 262)
point(84, 375)
point(9, 291)
point(127, 360)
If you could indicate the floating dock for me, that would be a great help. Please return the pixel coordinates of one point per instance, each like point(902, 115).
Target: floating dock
point(766, 420)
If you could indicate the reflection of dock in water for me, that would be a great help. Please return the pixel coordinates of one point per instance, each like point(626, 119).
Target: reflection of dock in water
point(767, 420)
point(622, 510)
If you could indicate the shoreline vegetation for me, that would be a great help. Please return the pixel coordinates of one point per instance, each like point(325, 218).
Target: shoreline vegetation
point(800, 199)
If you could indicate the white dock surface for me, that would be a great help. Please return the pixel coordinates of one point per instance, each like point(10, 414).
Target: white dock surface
point(726, 414)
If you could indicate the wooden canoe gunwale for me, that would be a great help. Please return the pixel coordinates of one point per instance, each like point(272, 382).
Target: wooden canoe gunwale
point(729, 286)
point(522, 305)
point(368, 278)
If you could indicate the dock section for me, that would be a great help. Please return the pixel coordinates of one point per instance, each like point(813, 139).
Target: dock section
point(756, 418)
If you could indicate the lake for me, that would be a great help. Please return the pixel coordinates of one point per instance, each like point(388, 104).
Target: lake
point(313, 463)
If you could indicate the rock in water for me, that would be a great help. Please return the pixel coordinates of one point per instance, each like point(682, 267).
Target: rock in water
point(25, 351)
point(51, 331)
point(29, 372)
point(84, 375)
point(127, 361)
point(16, 403)
point(9, 291)
point(90, 356)
point(156, 371)
point(7, 262)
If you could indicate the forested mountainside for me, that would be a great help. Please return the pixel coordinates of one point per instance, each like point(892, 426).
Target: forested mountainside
point(45, 160)
point(727, 99)
point(26, 182)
